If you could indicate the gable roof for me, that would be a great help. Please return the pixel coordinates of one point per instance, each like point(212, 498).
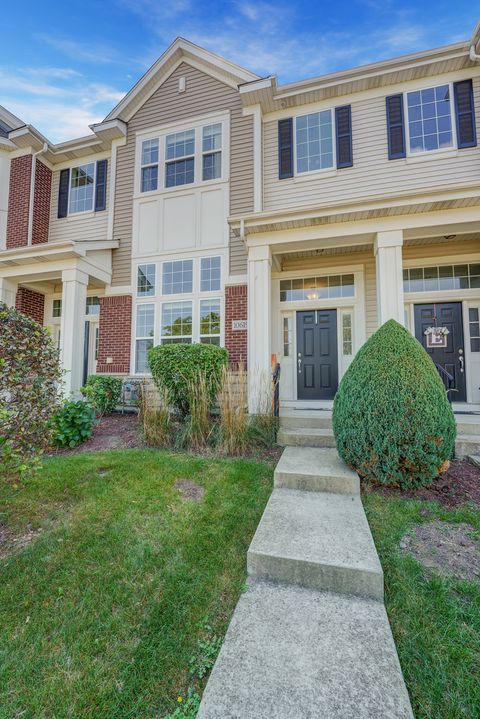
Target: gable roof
point(180, 50)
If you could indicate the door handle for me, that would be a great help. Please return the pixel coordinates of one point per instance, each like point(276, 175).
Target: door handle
point(299, 363)
point(461, 360)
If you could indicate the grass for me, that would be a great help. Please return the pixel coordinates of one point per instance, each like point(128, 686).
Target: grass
point(435, 621)
point(101, 614)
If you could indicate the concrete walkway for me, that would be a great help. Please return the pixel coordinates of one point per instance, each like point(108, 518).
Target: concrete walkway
point(310, 637)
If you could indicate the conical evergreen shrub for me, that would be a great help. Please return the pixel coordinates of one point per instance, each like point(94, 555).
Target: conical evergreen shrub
point(392, 420)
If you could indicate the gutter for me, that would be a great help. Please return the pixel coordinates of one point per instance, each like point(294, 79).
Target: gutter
point(32, 192)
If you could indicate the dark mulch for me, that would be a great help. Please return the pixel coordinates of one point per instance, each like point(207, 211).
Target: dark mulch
point(117, 431)
point(458, 485)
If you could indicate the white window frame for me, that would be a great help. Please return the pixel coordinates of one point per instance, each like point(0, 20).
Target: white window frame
point(218, 151)
point(441, 150)
point(321, 170)
point(136, 337)
point(209, 257)
point(181, 158)
point(218, 334)
point(144, 296)
point(163, 337)
point(150, 164)
point(75, 167)
point(179, 259)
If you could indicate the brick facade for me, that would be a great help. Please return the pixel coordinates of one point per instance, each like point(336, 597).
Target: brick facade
point(41, 203)
point(30, 303)
point(19, 201)
point(236, 309)
point(115, 334)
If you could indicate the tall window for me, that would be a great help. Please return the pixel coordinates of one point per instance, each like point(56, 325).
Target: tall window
point(211, 149)
point(210, 322)
point(429, 119)
point(347, 339)
point(314, 141)
point(180, 158)
point(177, 277)
point(82, 180)
point(176, 322)
point(57, 308)
point(149, 171)
point(210, 274)
point(146, 280)
point(144, 332)
point(474, 326)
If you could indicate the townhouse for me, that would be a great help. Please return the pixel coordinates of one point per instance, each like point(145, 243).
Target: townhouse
point(285, 222)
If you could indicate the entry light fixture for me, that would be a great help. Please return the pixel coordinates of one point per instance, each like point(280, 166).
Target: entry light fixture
point(312, 295)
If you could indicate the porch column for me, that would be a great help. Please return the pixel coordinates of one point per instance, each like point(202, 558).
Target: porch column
point(388, 254)
point(8, 291)
point(259, 324)
point(72, 329)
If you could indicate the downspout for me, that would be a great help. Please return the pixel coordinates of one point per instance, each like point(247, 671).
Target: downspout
point(32, 192)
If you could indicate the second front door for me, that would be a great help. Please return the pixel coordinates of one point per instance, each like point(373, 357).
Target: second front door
point(317, 354)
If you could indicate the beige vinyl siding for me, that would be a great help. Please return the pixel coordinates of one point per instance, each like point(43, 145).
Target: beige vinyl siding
point(372, 172)
point(443, 250)
point(204, 94)
point(83, 226)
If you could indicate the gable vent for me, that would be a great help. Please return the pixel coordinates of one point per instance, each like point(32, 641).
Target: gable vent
point(182, 83)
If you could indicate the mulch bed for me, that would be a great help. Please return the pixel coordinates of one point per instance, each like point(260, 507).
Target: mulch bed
point(117, 431)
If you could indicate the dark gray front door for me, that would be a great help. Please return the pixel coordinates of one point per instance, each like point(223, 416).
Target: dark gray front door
point(451, 357)
point(317, 354)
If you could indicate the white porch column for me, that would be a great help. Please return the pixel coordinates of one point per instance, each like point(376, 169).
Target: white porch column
point(8, 291)
point(72, 329)
point(259, 323)
point(388, 254)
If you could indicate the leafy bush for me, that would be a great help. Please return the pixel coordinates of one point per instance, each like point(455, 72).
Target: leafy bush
point(103, 392)
point(73, 424)
point(176, 366)
point(391, 416)
point(30, 377)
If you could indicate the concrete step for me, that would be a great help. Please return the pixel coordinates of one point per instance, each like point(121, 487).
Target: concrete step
point(306, 437)
point(306, 418)
point(315, 469)
point(292, 653)
point(317, 540)
point(468, 424)
point(467, 444)
point(474, 459)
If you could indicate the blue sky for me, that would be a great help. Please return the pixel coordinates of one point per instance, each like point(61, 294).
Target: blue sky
point(64, 65)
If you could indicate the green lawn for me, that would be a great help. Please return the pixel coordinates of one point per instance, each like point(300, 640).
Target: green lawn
point(100, 613)
point(435, 621)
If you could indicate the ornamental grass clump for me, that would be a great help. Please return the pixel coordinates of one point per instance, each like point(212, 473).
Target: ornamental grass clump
point(392, 420)
point(232, 403)
point(30, 380)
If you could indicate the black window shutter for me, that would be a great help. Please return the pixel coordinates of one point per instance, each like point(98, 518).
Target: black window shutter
point(285, 148)
point(101, 186)
point(465, 113)
point(395, 127)
point(63, 193)
point(343, 127)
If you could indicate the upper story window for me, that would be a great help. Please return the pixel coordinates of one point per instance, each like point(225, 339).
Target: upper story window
point(92, 306)
point(314, 141)
point(82, 181)
point(146, 280)
point(177, 277)
point(212, 152)
point(180, 158)
point(149, 165)
point(429, 115)
point(210, 274)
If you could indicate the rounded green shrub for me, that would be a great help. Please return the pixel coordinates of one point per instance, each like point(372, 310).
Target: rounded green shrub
point(103, 392)
point(73, 423)
point(176, 366)
point(392, 420)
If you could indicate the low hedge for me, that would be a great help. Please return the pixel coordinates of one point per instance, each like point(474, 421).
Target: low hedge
point(103, 392)
point(392, 419)
point(175, 366)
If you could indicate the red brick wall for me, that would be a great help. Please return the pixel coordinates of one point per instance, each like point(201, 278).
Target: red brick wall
point(30, 303)
point(18, 201)
point(115, 334)
point(236, 309)
point(41, 203)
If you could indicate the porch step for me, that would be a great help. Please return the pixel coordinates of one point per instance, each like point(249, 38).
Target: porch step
point(468, 424)
point(306, 437)
point(467, 444)
point(474, 459)
point(315, 469)
point(293, 419)
point(316, 540)
point(292, 653)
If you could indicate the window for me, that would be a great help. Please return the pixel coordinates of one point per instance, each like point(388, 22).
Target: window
point(81, 188)
point(146, 280)
point(177, 277)
point(210, 274)
point(180, 158)
point(57, 308)
point(97, 341)
point(212, 155)
point(92, 306)
point(317, 288)
point(149, 171)
point(314, 141)
point(176, 322)
point(347, 343)
point(474, 325)
point(287, 336)
point(429, 119)
point(445, 277)
point(145, 326)
point(210, 322)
